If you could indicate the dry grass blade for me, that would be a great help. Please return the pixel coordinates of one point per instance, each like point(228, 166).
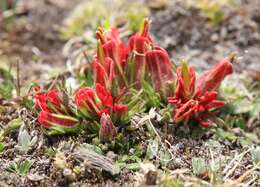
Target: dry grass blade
point(237, 158)
point(96, 160)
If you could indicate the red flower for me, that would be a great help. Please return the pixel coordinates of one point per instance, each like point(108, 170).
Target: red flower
point(53, 111)
point(88, 102)
point(120, 112)
point(93, 103)
point(107, 131)
point(103, 74)
point(211, 80)
point(185, 81)
point(160, 68)
point(138, 45)
point(48, 120)
point(110, 45)
point(48, 101)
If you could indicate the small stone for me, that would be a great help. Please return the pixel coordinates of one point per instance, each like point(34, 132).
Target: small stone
point(214, 37)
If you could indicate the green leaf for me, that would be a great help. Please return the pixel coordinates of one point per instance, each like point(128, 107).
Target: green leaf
point(165, 157)
point(198, 166)
point(94, 148)
point(51, 152)
point(152, 148)
point(133, 166)
point(6, 84)
point(2, 147)
point(24, 167)
point(21, 168)
point(256, 155)
point(10, 127)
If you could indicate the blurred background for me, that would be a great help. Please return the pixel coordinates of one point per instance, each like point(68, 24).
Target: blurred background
point(47, 36)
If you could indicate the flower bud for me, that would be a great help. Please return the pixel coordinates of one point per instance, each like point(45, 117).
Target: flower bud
point(107, 131)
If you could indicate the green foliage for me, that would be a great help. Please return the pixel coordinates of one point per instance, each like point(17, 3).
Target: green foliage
point(211, 10)
point(21, 168)
point(2, 147)
point(51, 152)
point(10, 127)
point(242, 94)
point(7, 4)
point(165, 157)
point(94, 148)
point(152, 98)
point(6, 83)
point(91, 14)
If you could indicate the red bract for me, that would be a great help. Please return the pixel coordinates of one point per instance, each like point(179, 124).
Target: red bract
point(48, 120)
point(160, 68)
point(107, 131)
point(138, 45)
point(104, 95)
point(186, 82)
point(104, 74)
point(120, 112)
point(211, 80)
point(196, 104)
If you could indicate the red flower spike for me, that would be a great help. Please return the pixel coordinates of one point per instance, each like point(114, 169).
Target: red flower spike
point(48, 120)
point(212, 79)
point(107, 131)
point(100, 74)
point(110, 45)
point(159, 67)
point(103, 74)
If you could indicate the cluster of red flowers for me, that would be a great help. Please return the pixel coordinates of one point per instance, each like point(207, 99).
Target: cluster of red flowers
point(117, 67)
point(54, 111)
point(194, 99)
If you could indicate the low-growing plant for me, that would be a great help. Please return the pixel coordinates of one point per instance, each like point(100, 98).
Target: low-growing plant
point(128, 79)
point(25, 141)
point(21, 168)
